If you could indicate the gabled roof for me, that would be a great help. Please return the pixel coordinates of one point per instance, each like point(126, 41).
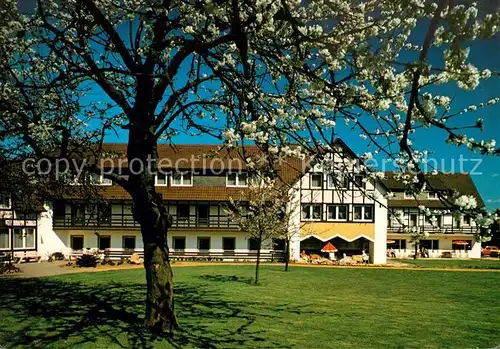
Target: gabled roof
point(449, 182)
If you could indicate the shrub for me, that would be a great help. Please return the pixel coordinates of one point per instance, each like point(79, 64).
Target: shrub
point(87, 261)
point(8, 268)
point(57, 256)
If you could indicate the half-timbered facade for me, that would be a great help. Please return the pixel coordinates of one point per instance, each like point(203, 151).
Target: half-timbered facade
point(449, 231)
point(331, 203)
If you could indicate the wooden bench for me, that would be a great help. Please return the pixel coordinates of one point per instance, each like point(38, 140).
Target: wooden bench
point(121, 254)
point(273, 256)
point(27, 256)
point(74, 255)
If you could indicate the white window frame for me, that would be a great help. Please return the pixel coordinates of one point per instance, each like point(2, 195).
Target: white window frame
point(23, 238)
point(237, 179)
point(7, 229)
point(337, 209)
point(431, 197)
point(340, 178)
point(408, 195)
point(9, 200)
point(363, 213)
point(311, 180)
point(363, 183)
point(311, 212)
point(166, 179)
point(182, 184)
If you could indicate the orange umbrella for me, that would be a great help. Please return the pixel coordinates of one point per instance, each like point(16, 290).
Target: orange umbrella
point(391, 241)
point(461, 242)
point(329, 248)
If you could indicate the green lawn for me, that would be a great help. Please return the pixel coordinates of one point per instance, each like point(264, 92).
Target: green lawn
point(453, 263)
point(218, 308)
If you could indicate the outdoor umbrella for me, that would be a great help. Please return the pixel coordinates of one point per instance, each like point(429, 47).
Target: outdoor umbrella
point(460, 242)
point(391, 241)
point(330, 249)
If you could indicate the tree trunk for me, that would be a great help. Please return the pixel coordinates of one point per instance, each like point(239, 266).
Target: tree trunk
point(257, 264)
point(287, 253)
point(150, 212)
point(160, 315)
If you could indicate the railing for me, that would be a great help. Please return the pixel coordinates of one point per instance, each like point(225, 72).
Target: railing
point(127, 221)
point(444, 229)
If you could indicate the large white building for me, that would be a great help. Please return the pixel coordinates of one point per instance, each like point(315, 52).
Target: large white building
point(343, 208)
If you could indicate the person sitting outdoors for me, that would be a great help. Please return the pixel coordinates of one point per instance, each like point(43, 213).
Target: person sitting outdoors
point(364, 256)
point(304, 256)
point(392, 253)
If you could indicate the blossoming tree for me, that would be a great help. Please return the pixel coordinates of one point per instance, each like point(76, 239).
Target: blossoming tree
point(263, 212)
point(268, 72)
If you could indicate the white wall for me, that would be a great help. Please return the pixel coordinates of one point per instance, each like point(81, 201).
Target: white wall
point(48, 241)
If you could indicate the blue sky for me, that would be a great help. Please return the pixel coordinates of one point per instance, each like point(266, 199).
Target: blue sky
point(486, 173)
point(486, 169)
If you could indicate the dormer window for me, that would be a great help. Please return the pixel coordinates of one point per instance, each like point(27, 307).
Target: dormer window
point(237, 179)
point(337, 180)
point(358, 182)
point(408, 195)
point(182, 179)
point(432, 195)
point(98, 179)
point(316, 180)
point(161, 178)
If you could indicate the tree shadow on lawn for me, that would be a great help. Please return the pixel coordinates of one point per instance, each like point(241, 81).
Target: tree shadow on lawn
point(44, 312)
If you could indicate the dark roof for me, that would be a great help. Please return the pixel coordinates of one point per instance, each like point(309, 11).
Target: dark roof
point(449, 182)
point(189, 156)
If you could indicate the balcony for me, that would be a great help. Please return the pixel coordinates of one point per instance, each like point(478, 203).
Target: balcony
point(444, 229)
point(127, 221)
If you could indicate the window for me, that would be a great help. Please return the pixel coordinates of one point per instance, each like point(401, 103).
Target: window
point(59, 209)
point(398, 244)
point(408, 195)
point(389, 220)
point(182, 211)
point(103, 242)
point(363, 213)
point(253, 244)
point(179, 242)
point(18, 238)
point(76, 242)
point(429, 244)
point(202, 214)
point(4, 235)
point(467, 220)
point(29, 241)
point(337, 212)
point(161, 178)
point(337, 180)
point(316, 180)
point(182, 179)
point(432, 195)
point(98, 179)
point(237, 180)
point(203, 243)
point(413, 220)
point(358, 182)
point(311, 212)
point(5, 200)
point(104, 213)
point(228, 244)
point(128, 242)
point(434, 220)
point(78, 214)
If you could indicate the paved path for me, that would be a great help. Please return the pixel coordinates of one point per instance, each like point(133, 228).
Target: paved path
point(58, 268)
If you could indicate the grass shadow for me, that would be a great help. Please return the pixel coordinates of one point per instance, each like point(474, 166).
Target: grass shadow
point(228, 278)
point(52, 313)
